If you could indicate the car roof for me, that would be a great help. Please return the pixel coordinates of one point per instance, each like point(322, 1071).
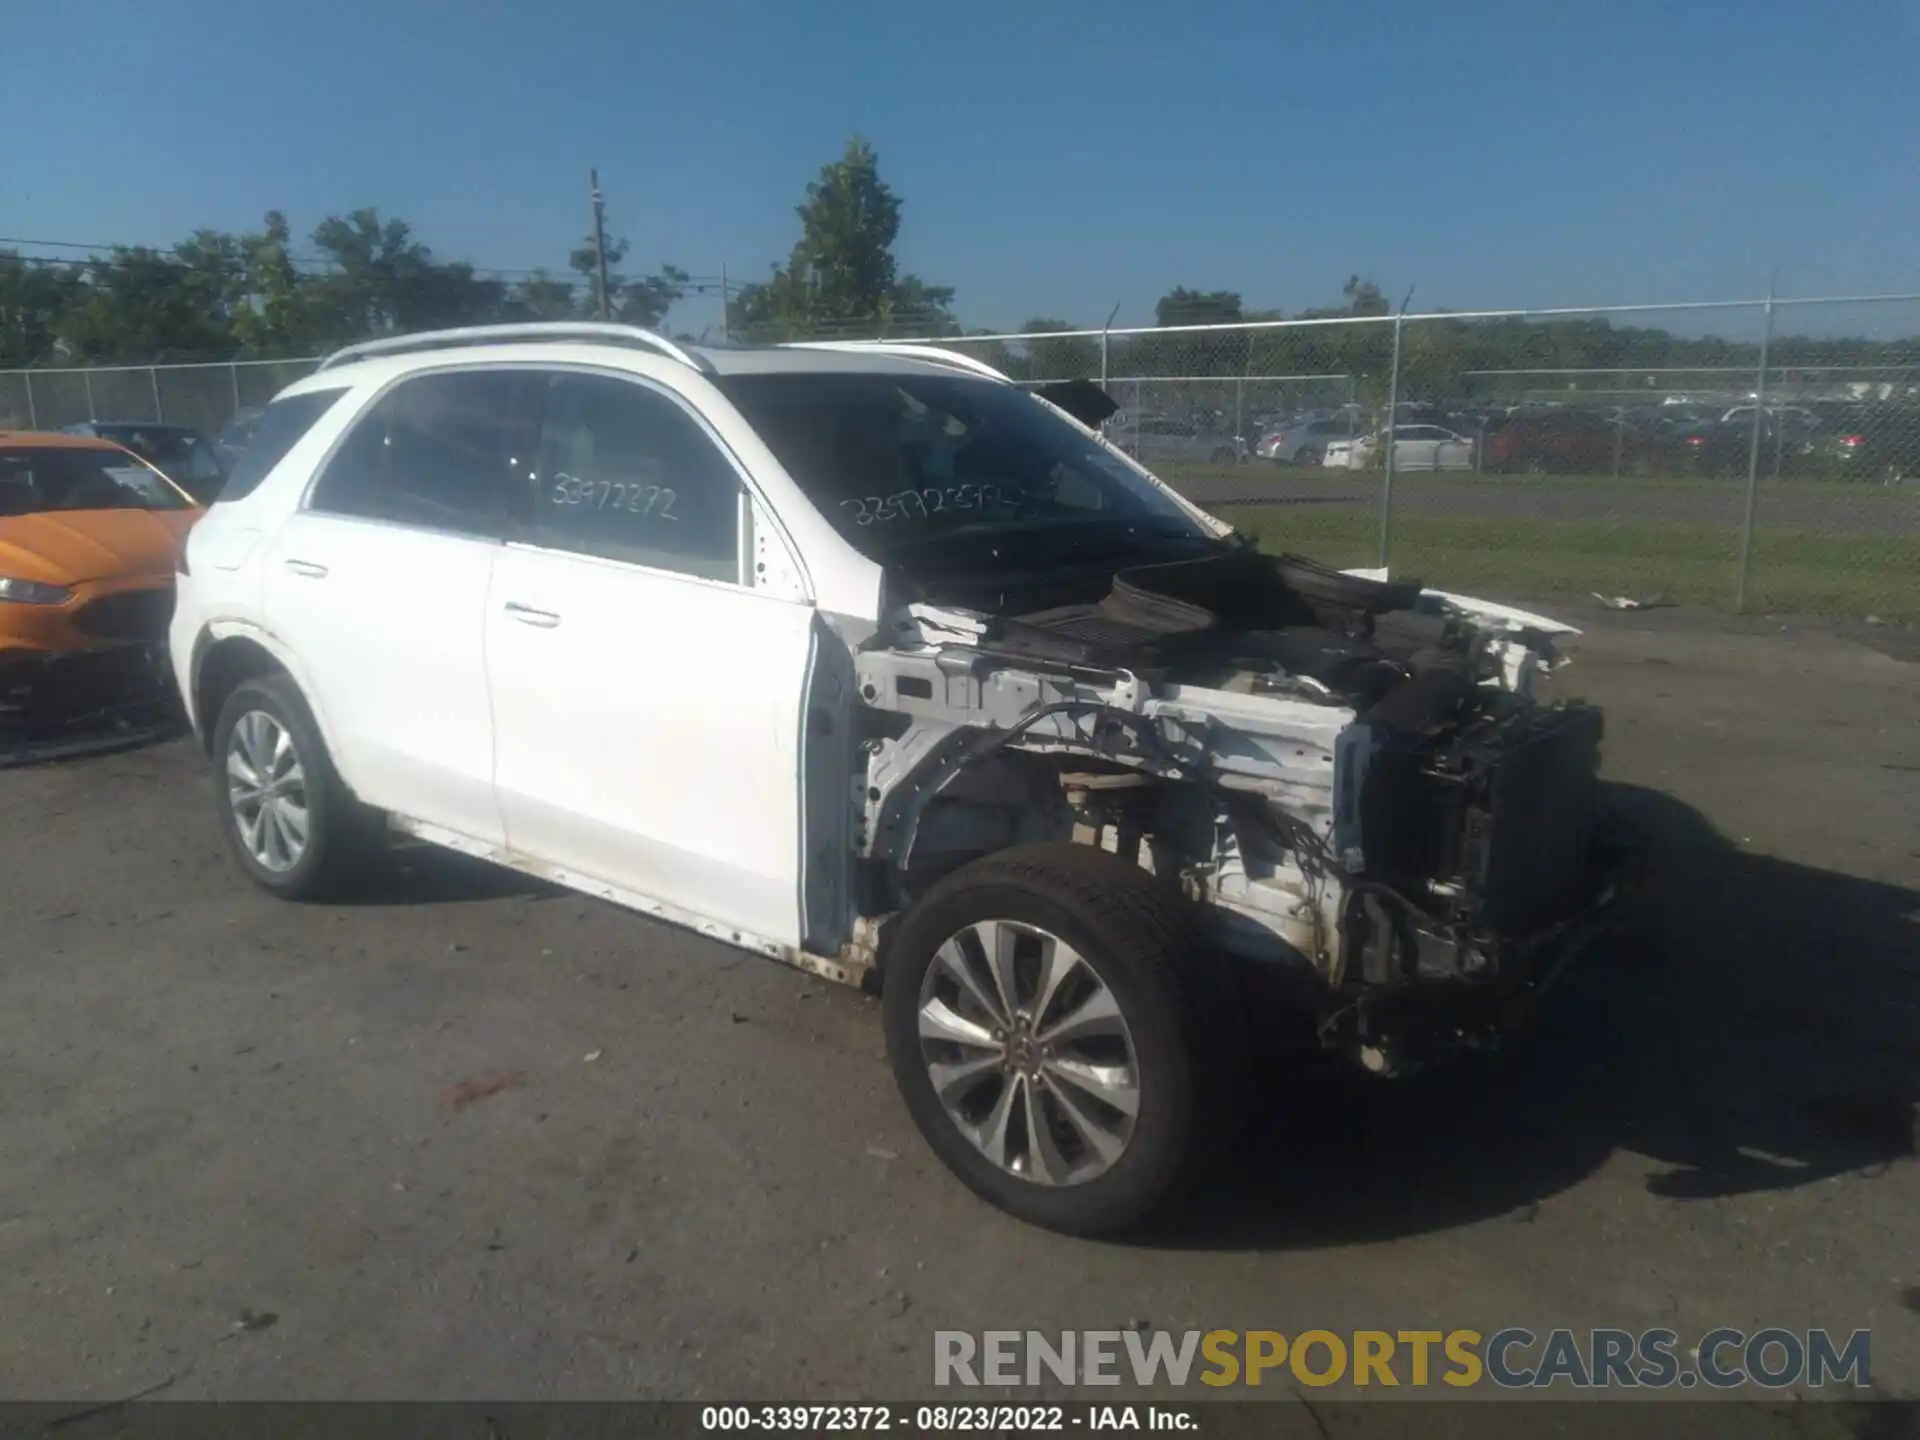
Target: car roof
point(50, 440)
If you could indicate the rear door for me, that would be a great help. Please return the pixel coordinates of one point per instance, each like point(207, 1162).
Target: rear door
point(379, 585)
point(646, 695)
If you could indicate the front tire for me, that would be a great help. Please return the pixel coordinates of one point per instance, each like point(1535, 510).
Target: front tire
point(292, 823)
point(1059, 1030)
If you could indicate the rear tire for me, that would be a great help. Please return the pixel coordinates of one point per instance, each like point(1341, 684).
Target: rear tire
point(293, 825)
point(1309, 455)
point(1118, 1064)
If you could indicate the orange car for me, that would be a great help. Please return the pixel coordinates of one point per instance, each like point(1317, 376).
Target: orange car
point(90, 536)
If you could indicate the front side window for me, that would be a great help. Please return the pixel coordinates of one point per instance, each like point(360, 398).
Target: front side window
point(626, 473)
point(949, 471)
point(440, 451)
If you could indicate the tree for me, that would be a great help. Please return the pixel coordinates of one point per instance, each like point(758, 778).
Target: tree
point(841, 277)
point(1181, 306)
point(279, 315)
point(1224, 353)
point(1074, 357)
point(542, 297)
point(34, 299)
point(643, 302)
point(144, 304)
point(914, 307)
point(384, 281)
point(847, 230)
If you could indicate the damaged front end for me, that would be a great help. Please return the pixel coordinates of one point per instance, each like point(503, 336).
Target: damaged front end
point(65, 703)
point(1350, 775)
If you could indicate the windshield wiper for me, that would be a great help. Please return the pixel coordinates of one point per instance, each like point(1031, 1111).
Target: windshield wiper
point(1076, 534)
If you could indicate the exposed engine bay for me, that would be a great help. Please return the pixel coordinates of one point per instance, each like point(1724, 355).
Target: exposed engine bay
point(1351, 774)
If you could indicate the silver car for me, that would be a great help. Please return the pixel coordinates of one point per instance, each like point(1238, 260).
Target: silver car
point(1304, 442)
point(1415, 447)
point(1157, 439)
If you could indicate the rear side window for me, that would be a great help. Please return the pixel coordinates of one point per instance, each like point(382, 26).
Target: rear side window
point(441, 451)
point(274, 432)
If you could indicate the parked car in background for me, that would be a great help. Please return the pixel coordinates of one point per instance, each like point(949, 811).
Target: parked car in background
point(182, 453)
point(1876, 442)
point(236, 435)
point(1788, 440)
point(1415, 447)
point(1156, 440)
point(1569, 442)
point(90, 537)
point(1304, 442)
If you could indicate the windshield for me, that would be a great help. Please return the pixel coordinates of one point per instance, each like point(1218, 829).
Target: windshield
point(902, 464)
point(34, 481)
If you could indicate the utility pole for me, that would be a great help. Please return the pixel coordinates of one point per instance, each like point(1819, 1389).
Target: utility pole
point(600, 243)
point(724, 335)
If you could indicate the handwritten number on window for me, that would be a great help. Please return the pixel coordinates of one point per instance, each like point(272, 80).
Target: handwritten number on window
point(650, 502)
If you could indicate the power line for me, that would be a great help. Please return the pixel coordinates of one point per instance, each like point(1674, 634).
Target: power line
point(698, 284)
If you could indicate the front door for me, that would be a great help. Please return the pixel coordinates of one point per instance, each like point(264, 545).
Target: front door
point(646, 703)
point(1416, 447)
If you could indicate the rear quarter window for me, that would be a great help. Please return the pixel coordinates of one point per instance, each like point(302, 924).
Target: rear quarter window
point(279, 428)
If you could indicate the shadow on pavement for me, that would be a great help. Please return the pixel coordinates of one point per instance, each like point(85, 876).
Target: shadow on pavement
point(1755, 1030)
point(415, 873)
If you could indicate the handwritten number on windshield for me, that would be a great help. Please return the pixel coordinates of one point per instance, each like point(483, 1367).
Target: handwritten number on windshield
point(922, 504)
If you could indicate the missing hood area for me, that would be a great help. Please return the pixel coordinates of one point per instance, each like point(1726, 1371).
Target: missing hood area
point(1401, 657)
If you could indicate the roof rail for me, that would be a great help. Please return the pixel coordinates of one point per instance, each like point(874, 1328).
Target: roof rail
point(580, 330)
point(916, 352)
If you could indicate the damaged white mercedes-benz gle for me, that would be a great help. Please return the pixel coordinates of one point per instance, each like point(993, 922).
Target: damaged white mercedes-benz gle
point(869, 660)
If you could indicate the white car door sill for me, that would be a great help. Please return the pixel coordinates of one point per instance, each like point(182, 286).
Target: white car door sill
point(850, 967)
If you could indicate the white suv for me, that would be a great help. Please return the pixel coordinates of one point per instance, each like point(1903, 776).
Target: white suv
point(868, 660)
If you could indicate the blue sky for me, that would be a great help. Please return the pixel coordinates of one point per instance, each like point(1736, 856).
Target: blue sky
point(1054, 159)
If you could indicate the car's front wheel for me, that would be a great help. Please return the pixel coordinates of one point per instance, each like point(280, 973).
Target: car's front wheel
point(1059, 1030)
point(293, 825)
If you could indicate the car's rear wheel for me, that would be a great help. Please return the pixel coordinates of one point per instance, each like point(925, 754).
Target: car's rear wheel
point(1060, 1032)
point(293, 825)
point(1309, 455)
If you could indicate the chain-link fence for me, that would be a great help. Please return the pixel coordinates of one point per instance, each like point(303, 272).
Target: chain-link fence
point(1762, 455)
point(204, 397)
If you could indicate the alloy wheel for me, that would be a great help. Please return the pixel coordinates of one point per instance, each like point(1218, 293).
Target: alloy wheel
point(1029, 1053)
point(267, 790)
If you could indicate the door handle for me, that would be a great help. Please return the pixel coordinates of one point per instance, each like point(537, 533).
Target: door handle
point(527, 615)
point(307, 569)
